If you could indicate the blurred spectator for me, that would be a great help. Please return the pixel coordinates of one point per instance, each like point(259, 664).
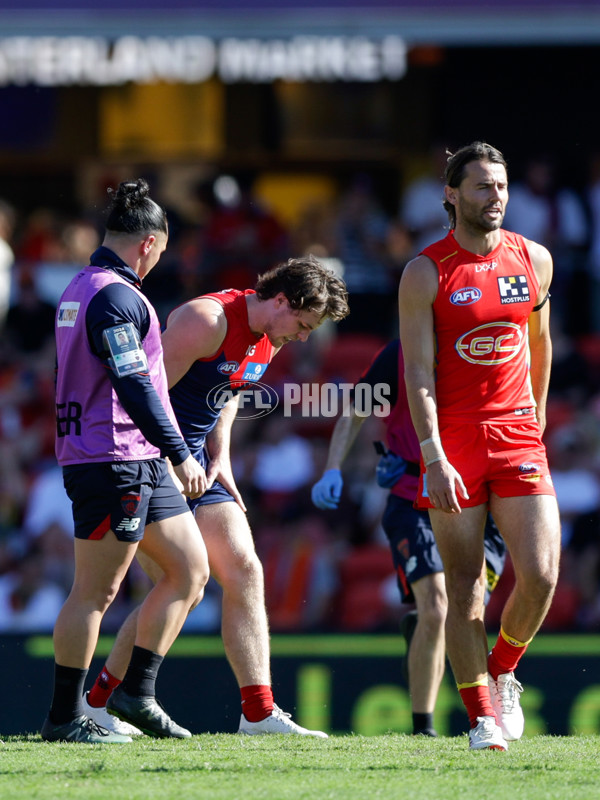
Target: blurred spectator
point(191, 241)
point(362, 230)
point(400, 247)
point(593, 202)
point(27, 417)
point(315, 230)
point(299, 559)
point(283, 461)
point(48, 504)
point(572, 377)
point(30, 320)
point(421, 209)
point(553, 215)
point(29, 600)
point(583, 555)
point(79, 238)
point(40, 239)
point(13, 496)
point(363, 603)
point(48, 522)
point(242, 238)
point(571, 452)
point(542, 210)
point(7, 257)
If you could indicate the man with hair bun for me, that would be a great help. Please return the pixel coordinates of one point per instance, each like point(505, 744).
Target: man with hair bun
point(475, 332)
point(114, 430)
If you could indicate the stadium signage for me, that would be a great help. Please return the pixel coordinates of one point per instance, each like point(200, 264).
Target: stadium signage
point(98, 61)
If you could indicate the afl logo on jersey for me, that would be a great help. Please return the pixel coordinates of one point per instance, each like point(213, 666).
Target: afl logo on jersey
point(228, 367)
point(465, 296)
point(491, 344)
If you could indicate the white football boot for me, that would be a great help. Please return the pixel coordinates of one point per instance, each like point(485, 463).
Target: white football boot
point(505, 694)
point(106, 720)
point(487, 735)
point(277, 722)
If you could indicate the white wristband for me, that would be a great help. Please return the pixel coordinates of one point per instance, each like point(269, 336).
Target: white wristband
point(432, 450)
point(433, 460)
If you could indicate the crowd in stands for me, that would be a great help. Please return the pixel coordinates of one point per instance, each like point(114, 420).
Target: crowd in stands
point(324, 571)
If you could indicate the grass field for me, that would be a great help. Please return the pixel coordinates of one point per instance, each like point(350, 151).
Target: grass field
point(227, 766)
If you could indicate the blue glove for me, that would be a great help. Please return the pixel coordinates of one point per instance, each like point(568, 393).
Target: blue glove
point(326, 493)
point(389, 470)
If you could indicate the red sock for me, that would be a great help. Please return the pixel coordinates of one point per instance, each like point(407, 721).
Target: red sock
point(505, 655)
point(257, 702)
point(477, 702)
point(102, 689)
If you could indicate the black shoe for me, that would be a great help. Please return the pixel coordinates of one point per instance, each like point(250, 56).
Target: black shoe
point(425, 732)
point(81, 729)
point(408, 623)
point(145, 713)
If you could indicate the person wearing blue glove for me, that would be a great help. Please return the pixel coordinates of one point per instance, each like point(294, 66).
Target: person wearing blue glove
point(328, 491)
point(414, 552)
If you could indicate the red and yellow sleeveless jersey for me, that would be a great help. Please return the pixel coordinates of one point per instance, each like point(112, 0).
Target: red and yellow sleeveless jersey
point(480, 317)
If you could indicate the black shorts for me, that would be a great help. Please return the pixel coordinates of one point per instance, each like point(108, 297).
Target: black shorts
point(495, 555)
point(121, 496)
point(217, 492)
point(415, 552)
point(413, 546)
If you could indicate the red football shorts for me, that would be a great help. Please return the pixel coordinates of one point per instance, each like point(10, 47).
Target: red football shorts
point(506, 459)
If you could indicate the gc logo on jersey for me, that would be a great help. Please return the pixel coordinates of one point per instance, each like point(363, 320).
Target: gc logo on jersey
point(465, 296)
point(490, 344)
point(513, 289)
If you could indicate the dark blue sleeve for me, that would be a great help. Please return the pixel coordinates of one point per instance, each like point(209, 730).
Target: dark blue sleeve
point(117, 304)
point(384, 369)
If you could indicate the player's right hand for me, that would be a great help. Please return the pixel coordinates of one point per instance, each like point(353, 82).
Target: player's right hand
point(326, 493)
point(444, 486)
point(192, 477)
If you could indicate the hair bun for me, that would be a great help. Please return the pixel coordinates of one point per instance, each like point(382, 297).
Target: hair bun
point(130, 194)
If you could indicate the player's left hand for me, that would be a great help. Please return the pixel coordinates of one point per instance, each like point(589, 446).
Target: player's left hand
point(219, 469)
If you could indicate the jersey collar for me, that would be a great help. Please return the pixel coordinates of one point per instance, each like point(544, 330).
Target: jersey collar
point(108, 259)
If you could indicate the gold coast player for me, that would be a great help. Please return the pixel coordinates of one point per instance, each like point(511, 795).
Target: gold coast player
point(474, 326)
point(414, 552)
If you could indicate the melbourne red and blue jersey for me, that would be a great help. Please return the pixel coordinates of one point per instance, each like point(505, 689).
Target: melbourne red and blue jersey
point(241, 361)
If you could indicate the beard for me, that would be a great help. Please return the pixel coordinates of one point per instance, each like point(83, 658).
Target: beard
point(474, 218)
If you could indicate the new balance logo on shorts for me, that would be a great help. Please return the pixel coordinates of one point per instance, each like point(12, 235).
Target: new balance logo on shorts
point(129, 524)
point(513, 289)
